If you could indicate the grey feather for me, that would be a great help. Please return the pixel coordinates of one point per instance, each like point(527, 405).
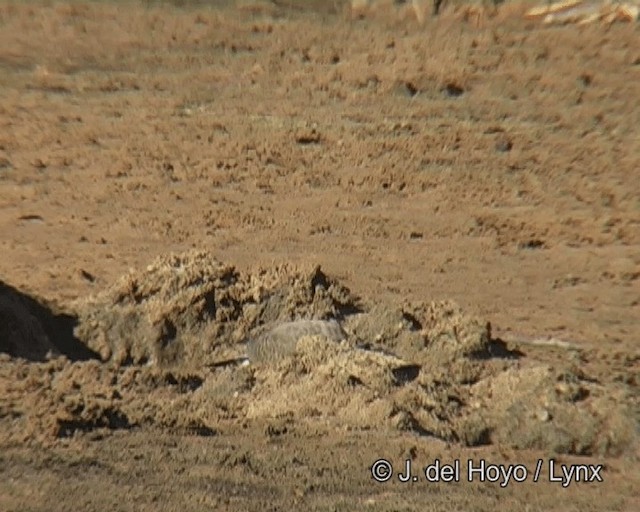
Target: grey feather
point(282, 340)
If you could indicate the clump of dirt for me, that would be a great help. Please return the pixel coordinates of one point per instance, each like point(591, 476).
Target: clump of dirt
point(535, 407)
point(191, 308)
point(55, 399)
point(427, 332)
point(424, 367)
point(556, 409)
point(149, 316)
point(333, 371)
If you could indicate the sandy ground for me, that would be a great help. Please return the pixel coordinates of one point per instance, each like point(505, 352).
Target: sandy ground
point(463, 197)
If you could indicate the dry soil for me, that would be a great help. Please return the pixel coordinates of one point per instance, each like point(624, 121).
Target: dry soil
point(178, 181)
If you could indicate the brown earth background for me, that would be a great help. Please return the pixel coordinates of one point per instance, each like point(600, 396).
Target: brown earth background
point(176, 179)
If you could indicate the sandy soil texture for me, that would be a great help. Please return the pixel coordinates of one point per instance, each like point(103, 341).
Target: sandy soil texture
point(249, 248)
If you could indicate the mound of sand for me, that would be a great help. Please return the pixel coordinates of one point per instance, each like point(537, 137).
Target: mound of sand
point(424, 367)
point(467, 400)
point(191, 308)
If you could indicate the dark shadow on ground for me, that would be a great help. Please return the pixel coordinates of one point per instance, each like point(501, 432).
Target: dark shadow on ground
point(499, 349)
point(34, 330)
